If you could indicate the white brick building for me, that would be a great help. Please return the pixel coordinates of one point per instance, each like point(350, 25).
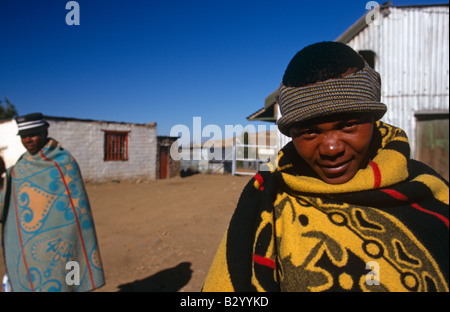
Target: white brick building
point(104, 150)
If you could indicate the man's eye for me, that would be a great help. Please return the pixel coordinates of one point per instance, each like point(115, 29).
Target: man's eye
point(305, 133)
point(349, 125)
point(309, 132)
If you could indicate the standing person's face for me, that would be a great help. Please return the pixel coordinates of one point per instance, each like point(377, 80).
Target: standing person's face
point(34, 142)
point(335, 147)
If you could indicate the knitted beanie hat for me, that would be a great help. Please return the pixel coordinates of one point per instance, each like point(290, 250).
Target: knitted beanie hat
point(359, 92)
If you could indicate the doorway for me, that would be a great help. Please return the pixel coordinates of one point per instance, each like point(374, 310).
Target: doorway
point(163, 162)
point(432, 141)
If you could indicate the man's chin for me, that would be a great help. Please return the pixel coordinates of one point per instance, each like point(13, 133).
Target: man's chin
point(33, 151)
point(338, 178)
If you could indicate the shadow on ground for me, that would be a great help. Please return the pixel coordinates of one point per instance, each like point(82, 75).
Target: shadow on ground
point(168, 280)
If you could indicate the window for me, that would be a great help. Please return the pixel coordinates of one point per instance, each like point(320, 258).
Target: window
point(369, 56)
point(116, 145)
point(432, 140)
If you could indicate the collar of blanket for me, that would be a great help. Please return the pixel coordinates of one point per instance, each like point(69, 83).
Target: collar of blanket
point(393, 152)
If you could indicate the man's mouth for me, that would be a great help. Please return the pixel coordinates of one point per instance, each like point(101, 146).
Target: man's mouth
point(30, 147)
point(335, 169)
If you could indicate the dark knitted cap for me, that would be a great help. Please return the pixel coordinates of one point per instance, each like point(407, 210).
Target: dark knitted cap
point(31, 124)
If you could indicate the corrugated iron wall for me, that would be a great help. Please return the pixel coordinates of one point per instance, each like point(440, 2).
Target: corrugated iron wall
point(412, 56)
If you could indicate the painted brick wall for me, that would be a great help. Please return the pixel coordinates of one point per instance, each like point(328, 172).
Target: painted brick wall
point(85, 141)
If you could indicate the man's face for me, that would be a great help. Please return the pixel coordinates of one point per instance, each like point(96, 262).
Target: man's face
point(34, 142)
point(335, 147)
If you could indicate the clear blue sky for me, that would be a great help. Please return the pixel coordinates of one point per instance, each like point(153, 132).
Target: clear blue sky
point(160, 61)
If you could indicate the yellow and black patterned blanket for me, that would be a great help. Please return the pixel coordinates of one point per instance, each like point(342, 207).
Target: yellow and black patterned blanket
point(385, 230)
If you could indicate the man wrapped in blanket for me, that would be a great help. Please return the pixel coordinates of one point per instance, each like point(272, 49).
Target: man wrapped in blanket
point(344, 207)
point(49, 239)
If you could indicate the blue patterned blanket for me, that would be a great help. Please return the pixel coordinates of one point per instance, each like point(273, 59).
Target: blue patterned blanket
point(49, 237)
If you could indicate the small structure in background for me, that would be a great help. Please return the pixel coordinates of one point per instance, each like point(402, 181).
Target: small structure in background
point(241, 154)
point(252, 150)
point(166, 166)
point(105, 150)
point(208, 157)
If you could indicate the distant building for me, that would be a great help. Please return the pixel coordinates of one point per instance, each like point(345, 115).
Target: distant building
point(240, 154)
point(104, 150)
point(409, 47)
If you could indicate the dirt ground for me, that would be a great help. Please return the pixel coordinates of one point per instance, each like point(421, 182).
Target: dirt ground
point(161, 235)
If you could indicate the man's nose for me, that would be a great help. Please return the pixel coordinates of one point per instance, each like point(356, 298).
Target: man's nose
point(331, 145)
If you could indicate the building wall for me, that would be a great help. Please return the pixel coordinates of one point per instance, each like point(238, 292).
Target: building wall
point(10, 145)
point(412, 56)
point(85, 141)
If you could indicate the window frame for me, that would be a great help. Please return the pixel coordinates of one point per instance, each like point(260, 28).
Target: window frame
point(119, 152)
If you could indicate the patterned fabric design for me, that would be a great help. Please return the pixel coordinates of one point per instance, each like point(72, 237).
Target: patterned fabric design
point(334, 257)
point(48, 224)
point(384, 230)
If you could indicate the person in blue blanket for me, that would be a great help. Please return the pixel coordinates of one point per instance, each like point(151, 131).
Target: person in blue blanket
point(48, 233)
point(344, 207)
